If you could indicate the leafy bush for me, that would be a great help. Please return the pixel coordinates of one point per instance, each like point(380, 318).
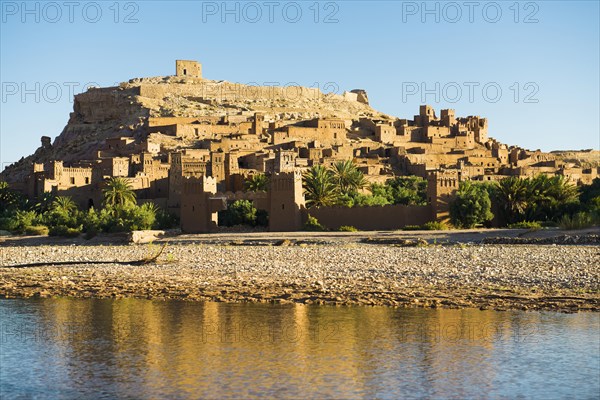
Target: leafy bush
point(580, 220)
point(408, 190)
point(64, 231)
point(91, 223)
point(37, 230)
point(166, 220)
point(346, 228)
point(142, 217)
point(472, 205)
point(533, 225)
point(23, 219)
point(10, 200)
point(8, 224)
point(434, 226)
point(371, 201)
point(362, 200)
point(549, 224)
point(412, 228)
point(240, 212)
point(262, 218)
point(312, 224)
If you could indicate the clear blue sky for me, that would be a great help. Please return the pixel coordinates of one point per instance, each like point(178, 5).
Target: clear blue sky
point(391, 49)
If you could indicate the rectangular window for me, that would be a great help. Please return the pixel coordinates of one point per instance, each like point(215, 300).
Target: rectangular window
point(72, 181)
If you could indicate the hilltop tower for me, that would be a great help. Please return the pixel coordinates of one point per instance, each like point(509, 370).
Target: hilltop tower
point(192, 69)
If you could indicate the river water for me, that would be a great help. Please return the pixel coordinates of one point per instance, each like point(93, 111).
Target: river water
point(69, 348)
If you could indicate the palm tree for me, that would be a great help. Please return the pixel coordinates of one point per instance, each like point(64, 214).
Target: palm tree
point(320, 187)
point(63, 204)
point(257, 183)
point(551, 196)
point(118, 193)
point(348, 177)
point(513, 194)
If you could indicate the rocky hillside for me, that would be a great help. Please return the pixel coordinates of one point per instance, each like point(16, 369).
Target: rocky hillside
point(585, 158)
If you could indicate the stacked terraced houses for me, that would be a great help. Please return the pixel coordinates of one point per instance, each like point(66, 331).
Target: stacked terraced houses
point(198, 178)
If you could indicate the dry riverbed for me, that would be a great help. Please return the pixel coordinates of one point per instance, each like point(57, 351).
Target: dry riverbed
point(536, 277)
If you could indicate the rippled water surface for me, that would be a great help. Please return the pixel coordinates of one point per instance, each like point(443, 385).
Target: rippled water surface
point(65, 348)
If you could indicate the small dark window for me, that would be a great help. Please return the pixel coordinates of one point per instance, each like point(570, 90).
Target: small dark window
point(283, 206)
point(185, 71)
point(87, 180)
point(72, 181)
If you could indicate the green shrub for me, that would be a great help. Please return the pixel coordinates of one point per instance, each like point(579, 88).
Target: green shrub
point(434, 226)
point(412, 228)
point(262, 218)
point(123, 218)
point(166, 220)
point(240, 212)
point(370, 201)
point(23, 219)
point(549, 224)
point(37, 230)
point(346, 228)
point(580, 220)
point(472, 205)
point(64, 231)
point(312, 224)
point(142, 217)
point(8, 224)
point(532, 225)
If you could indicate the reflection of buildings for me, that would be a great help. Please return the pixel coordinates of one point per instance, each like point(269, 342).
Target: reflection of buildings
point(139, 348)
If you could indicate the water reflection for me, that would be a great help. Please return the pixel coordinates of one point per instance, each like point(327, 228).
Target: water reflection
point(138, 348)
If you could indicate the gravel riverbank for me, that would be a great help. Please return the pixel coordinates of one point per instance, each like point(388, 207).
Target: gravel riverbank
point(565, 278)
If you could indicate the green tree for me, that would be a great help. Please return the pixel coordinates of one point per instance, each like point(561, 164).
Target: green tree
point(44, 202)
point(320, 187)
point(118, 193)
point(257, 183)
point(408, 190)
point(63, 204)
point(348, 177)
point(589, 193)
point(472, 205)
point(512, 196)
point(550, 197)
point(240, 212)
point(10, 200)
point(63, 212)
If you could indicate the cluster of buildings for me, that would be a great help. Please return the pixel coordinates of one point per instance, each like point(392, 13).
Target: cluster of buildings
point(217, 153)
